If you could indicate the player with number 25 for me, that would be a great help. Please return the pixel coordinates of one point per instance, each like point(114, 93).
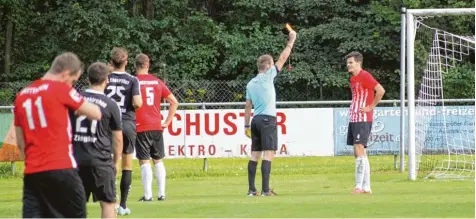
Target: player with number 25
point(124, 89)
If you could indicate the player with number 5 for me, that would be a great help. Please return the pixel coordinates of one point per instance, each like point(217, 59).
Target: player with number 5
point(124, 89)
point(150, 141)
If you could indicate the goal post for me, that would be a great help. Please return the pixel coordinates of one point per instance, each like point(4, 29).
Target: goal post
point(426, 105)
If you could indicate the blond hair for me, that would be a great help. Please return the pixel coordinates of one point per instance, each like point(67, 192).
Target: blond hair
point(263, 62)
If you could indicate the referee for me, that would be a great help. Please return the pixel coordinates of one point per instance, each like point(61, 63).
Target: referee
point(261, 94)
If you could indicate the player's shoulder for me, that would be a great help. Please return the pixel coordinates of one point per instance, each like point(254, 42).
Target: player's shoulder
point(96, 97)
point(365, 72)
point(44, 86)
point(149, 80)
point(123, 75)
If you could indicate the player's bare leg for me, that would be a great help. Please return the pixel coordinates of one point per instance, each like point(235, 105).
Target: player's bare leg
point(126, 180)
point(252, 164)
point(108, 210)
point(361, 166)
point(266, 172)
point(146, 175)
point(160, 176)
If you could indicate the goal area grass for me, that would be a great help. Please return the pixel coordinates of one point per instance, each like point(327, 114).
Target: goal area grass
point(307, 187)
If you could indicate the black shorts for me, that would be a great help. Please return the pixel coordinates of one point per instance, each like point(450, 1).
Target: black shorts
point(53, 194)
point(358, 133)
point(129, 136)
point(264, 133)
point(150, 144)
point(100, 181)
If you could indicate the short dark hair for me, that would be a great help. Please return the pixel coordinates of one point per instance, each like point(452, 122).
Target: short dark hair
point(358, 57)
point(141, 60)
point(97, 73)
point(66, 61)
point(118, 57)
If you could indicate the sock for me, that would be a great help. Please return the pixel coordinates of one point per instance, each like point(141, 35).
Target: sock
point(160, 177)
point(126, 180)
point(366, 182)
point(146, 174)
point(359, 172)
point(252, 174)
point(265, 172)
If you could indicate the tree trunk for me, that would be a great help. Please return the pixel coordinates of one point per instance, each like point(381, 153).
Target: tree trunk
point(320, 89)
point(8, 43)
point(149, 13)
point(135, 8)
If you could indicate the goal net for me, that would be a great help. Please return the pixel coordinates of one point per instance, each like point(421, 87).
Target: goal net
point(443, 64)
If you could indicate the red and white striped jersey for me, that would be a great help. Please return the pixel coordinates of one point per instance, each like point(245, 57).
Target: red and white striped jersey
point(362, 86)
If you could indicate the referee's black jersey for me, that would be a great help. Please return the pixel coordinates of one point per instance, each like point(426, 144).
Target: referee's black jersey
point(121, 87)
point(92, 139)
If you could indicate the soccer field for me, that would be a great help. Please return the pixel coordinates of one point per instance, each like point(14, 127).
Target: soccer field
point(307, 187)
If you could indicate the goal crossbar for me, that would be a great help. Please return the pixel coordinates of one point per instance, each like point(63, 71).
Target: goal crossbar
point(409, 37)
point(440, 11)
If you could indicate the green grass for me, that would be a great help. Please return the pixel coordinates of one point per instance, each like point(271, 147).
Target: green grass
point(307, 187)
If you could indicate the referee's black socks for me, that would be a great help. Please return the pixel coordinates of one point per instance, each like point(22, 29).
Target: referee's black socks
point(126, 181)
point(265, 172)
point(251, 175)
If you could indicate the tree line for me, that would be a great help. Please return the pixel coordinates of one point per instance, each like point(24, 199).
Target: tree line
point(191, 40)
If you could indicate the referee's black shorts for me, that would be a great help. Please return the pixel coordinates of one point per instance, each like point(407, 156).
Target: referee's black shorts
point(53, 194)
point(264, 133)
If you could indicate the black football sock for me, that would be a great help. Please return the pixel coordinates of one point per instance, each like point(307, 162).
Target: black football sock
point(126, 180)
point(265, 171)
point(252, 174)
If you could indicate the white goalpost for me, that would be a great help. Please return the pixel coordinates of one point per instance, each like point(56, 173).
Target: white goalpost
point(441, 137)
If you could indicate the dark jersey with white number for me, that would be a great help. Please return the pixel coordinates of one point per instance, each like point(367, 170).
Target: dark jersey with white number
point(121, 87)
point(92, 140)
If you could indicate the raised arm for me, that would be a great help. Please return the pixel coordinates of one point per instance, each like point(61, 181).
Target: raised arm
point(287, 51)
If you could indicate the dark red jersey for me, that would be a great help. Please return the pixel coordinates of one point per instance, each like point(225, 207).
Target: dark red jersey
point(152, 91)
point(41, 111)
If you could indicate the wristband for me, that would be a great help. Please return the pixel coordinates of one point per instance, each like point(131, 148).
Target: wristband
point(247, 126)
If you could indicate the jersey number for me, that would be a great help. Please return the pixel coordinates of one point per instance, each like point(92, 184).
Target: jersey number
point(29, 112)
point(81, 129)
point(150, 95)
point(117, 90)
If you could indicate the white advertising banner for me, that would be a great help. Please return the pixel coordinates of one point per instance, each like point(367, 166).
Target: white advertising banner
point(221, 133)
